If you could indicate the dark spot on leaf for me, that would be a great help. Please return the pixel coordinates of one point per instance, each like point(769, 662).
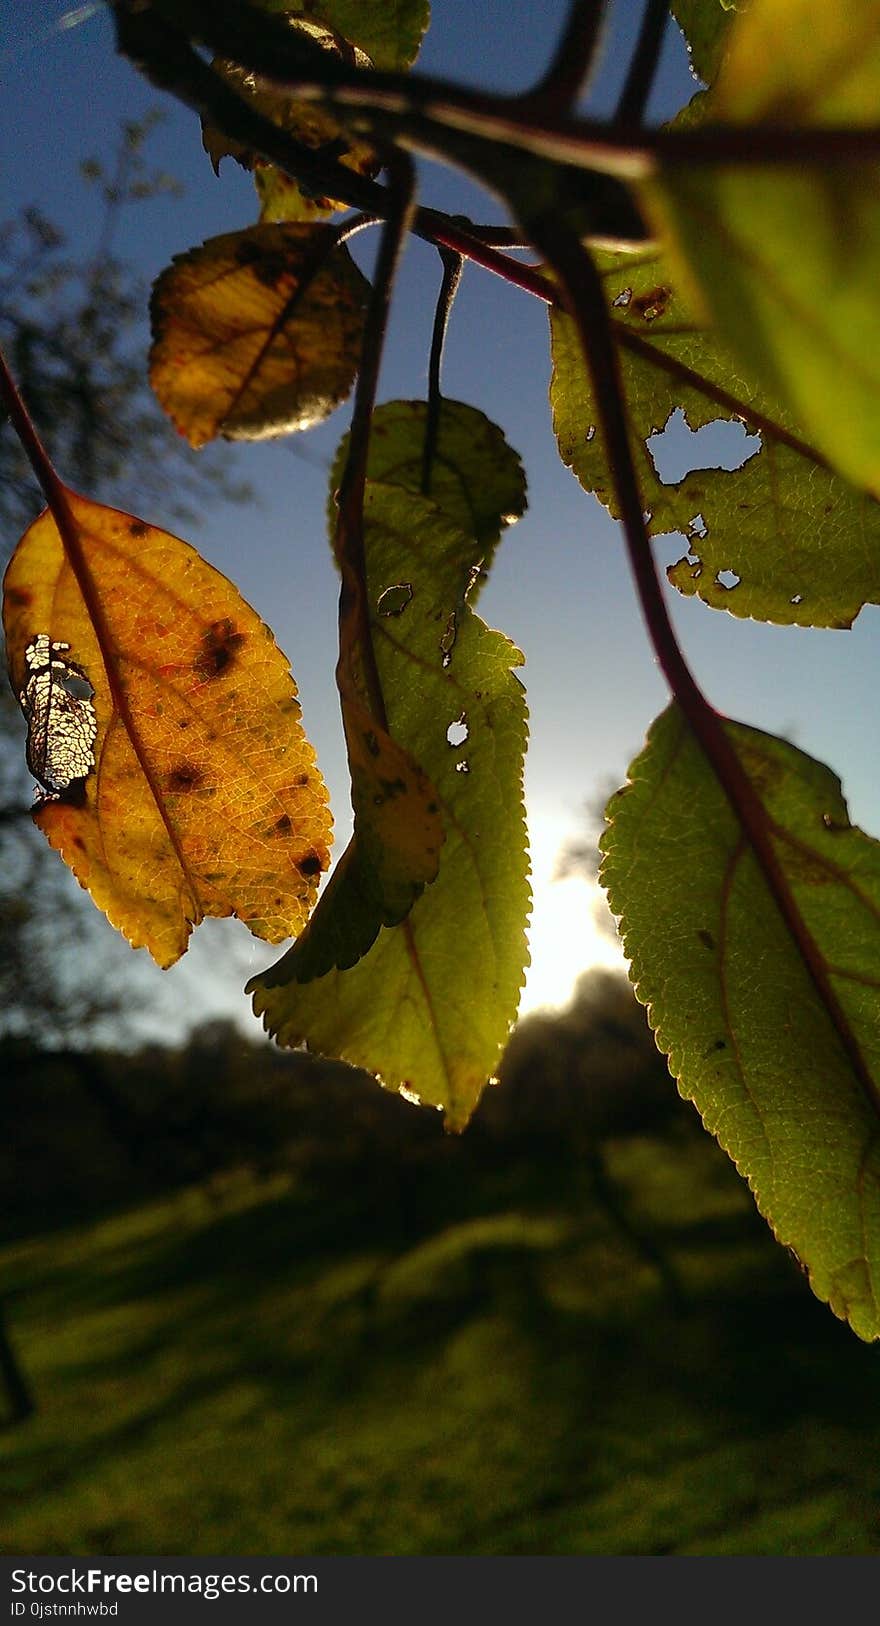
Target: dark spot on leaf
point(652, 304)
point(393, 787)
point(309, 864)
point(185, 777)
point(19, 595)
point(720, 1044)
point(371, 743)
point(432, 807)
point(220, 644)
point(283, 824)
point(137, 528)
point(706, 938)
point(78, 842)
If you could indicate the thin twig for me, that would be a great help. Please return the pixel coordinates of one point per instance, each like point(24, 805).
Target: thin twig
point(585, 298)
point(452, 269)
point(643, 64)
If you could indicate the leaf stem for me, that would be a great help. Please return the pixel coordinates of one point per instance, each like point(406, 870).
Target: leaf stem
point(573, 58)
point(643, 66)
point(585, 299)
point(354, 611)
point(452, 269)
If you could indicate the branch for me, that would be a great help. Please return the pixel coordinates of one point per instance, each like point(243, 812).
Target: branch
point(169, 61)
point(450, 120)
point(585, 299)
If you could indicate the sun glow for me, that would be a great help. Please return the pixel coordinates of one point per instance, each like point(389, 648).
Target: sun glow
point(567, 935)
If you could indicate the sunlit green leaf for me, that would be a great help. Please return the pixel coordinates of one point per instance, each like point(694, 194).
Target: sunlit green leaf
point(476, 480)
point(429, 1007)
point(781, 538)
point(789, 1086)
point(787, 258)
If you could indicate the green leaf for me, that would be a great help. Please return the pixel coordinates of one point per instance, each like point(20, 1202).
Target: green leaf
point(257, 333)
point(788, 1086)
point(787, 258)
point(429, 1007)
point(705, 25)
point(804, 545)
point(390, 31)
point(476, 480)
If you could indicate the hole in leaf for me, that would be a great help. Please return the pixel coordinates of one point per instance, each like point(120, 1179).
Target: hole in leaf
point(652, 304)
point(623, 298)
point(798, 598)
point(447, 642)
point(395, 599)
point(697, 526)
point(591, 432)
point(727, 578)
point(463, 766)
point(677, 449)
point(457, 732)
point(62, 726)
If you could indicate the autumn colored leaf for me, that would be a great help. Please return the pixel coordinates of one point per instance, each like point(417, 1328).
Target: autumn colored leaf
point(452, 970)
point(786, 258)
point(782, 538)
point(257, 333)
point(164, 727)
point(785, 1075)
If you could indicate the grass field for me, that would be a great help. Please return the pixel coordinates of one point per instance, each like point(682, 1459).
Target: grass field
point(250, 1367)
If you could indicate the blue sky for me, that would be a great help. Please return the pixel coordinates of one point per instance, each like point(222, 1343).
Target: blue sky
point(560, 587)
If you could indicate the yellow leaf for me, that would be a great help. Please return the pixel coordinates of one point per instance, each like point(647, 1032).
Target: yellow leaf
point(183, 784)
point(257, 333)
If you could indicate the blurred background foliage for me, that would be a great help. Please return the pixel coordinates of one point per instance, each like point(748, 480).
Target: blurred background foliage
point(259, 1305)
